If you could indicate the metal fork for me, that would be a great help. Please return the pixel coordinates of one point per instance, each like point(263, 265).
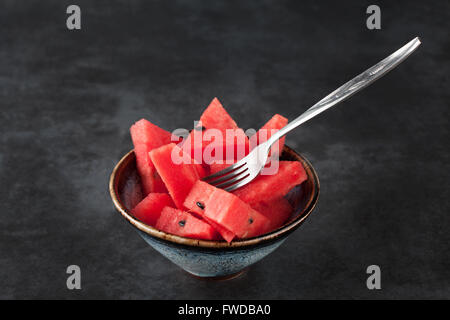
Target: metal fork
point(248, 168)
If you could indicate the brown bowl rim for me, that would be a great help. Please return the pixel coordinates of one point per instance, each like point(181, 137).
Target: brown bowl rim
point(211, 244)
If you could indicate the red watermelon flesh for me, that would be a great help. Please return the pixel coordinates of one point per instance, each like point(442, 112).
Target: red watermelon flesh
point(273, 125)
point(224, 233)
point(215, 116)
point(226, 210)
point(232, 147)
point(149, 209)
point(216, 167)
point(183, 224)
point(269, 187)
point(278, 211)
point(196, 201)
point(198, 197)
point(216, 121)
point(205, 147)
point(146, 136)
point(254, 209)
point(235, 215)
point(178, 177)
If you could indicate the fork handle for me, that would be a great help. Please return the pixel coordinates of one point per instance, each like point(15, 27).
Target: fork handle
point(348, 89)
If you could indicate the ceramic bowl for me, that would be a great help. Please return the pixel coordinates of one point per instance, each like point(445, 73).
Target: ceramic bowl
point(204, 258)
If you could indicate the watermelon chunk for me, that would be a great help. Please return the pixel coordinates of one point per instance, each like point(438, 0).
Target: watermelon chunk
point(227, 210)
point(216, 121)
point(198, 196)
point(146, 136)
point(235, 215)
point(269, 187)
point(178, 177)
point(196, 200)
point(273, 125)
point(149, 209)
point(215, 116)
point(278, 211)
point(183, 224)
point(223, 232)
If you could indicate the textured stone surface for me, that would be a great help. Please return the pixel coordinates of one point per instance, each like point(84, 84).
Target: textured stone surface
point(68, 98)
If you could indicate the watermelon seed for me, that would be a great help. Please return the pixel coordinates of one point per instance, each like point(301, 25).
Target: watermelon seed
point(250, 220)
point(182, 223)
point(200, 205)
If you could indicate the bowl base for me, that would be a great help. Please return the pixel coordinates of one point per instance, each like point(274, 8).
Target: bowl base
point(220, 278)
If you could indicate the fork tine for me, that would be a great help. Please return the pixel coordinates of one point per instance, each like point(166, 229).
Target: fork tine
point(228, 176)
point(232, 181)
point(239, 183)
point(233, 167)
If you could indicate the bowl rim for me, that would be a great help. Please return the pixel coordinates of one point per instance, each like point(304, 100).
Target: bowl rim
point(214, 244)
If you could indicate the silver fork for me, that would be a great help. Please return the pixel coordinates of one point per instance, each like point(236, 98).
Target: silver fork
point(248, 168)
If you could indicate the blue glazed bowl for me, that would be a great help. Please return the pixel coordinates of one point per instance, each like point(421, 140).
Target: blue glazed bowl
point(204, 258)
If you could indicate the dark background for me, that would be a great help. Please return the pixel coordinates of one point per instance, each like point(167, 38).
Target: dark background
point(68, 98)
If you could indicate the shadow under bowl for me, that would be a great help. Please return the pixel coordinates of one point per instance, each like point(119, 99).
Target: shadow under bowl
point(205, 258)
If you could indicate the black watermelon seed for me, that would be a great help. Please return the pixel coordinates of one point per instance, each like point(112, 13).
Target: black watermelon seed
point(200, 205)
point(182, 223)
point(250, 220)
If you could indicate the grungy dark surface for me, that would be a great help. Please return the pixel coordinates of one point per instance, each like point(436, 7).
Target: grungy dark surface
point(67, 100)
